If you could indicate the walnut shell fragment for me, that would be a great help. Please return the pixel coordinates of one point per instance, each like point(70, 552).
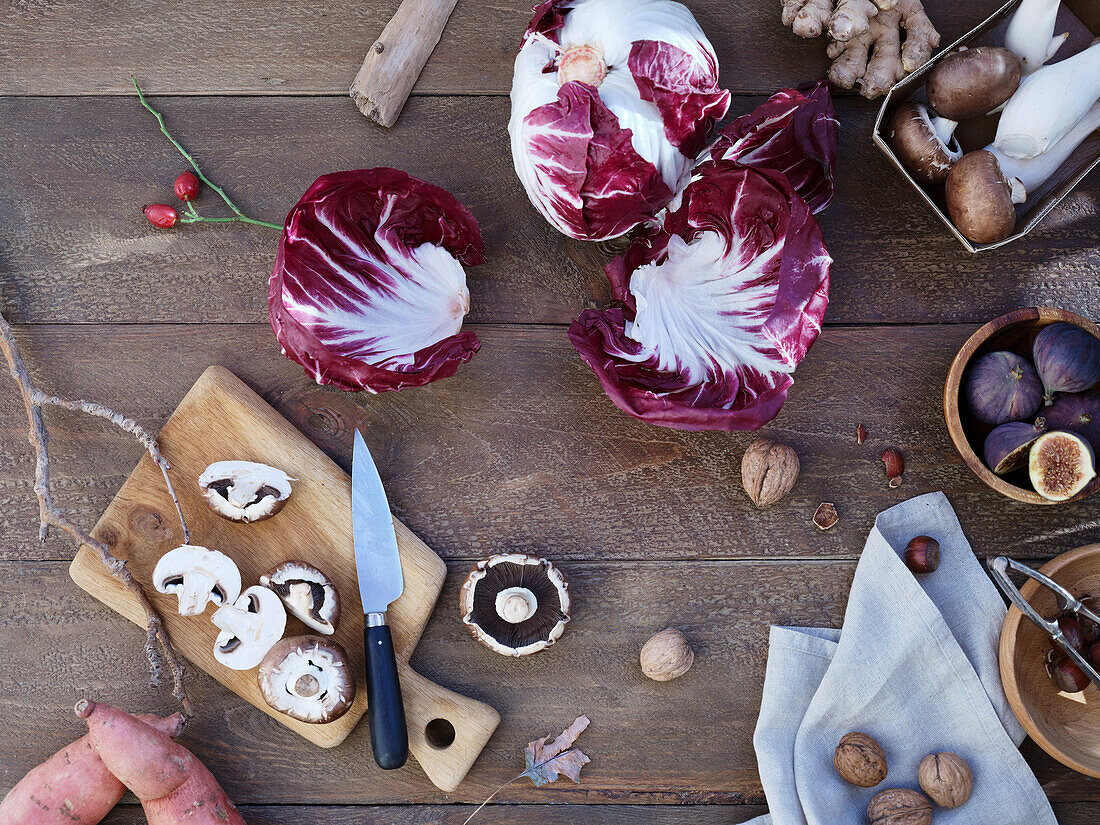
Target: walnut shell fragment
point(860, 760)
point(946, 778)
point(667, 655)
point(826, 516)
point(899, 806)
point(768, 471)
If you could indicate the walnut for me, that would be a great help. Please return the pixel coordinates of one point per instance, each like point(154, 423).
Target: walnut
point(666, 655)
point(768, 471)
point(860, 760)
point(946, 778)
point(899, 806)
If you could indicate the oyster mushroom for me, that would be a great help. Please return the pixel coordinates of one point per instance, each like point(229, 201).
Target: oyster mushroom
point(249, 627)
point(515, 604)
point(244, 491)
point(308, 678)
point(923, 142)
point(981, 200)
point(307, 594)
point(197, 576)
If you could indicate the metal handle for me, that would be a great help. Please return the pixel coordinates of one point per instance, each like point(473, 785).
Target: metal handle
point(999, 568)
point(389, 737)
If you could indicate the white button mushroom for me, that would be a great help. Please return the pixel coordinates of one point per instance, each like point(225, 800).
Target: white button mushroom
point(307, 594)
point(250, 627)
point(244, 491)
point(197, 576)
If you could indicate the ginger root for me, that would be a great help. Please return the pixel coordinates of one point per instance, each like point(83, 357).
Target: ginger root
point(865, 38)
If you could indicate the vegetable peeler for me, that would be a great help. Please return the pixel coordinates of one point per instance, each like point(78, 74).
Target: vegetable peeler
point(1067, 603)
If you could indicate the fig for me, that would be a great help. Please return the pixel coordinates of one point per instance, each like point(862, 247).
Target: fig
point(1003, 386)
point(1067, 359)
point(1076, 412)
point(1060, 465)
point(1007, 446)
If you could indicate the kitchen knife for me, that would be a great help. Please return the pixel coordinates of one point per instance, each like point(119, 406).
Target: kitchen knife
point(378, 567)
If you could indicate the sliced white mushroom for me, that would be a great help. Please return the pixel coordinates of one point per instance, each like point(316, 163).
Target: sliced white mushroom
point(198, 576)
point(307, 594)
point(307, 678)
point(250, 627)
point(245, 491)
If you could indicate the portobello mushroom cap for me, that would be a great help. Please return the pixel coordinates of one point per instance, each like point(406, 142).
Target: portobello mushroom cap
point(515, 604)
point(973, 82)
point(307, 594)
point(308, 678)
point(981, 200)
point(244, 491)
point(927, 152)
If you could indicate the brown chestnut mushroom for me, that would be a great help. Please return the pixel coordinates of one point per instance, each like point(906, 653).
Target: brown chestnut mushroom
point(973, 82)
point(307, 594)
point(308, 678)
point(515, 604)
point(981, 200)
point(244, 491)
point(922, 142)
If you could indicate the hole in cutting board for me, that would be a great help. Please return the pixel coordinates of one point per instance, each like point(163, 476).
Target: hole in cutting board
point(440, 734)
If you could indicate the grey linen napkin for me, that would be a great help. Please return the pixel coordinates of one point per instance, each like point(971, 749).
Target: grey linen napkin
point(915, 666)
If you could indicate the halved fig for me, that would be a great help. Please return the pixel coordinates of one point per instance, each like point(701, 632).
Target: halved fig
point(1007, 446)
point(1060, 465)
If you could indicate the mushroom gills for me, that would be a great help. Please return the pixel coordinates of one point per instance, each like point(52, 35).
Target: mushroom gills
point(307, 678)
point(307, 593)
point(509, 580)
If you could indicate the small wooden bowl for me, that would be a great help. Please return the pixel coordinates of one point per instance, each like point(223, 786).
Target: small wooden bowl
point(1014, 332)
point(1067, 726)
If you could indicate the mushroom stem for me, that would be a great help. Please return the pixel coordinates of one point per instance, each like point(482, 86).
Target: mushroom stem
point(516, 604)
point(1031, 173)
point(1030, 34)
point(943, 127)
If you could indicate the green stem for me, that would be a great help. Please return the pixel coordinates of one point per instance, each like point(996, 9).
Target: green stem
point(240, 216)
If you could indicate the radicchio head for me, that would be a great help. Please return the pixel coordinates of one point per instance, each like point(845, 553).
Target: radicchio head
point(718, 305)
point(611, 101)
point(368, 290)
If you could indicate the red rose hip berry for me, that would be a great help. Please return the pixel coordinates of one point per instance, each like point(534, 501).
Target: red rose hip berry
point(161, 214)
point(187, 186)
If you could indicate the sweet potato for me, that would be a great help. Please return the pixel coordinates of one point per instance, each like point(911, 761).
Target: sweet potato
point(174, 787)
point(72, 787)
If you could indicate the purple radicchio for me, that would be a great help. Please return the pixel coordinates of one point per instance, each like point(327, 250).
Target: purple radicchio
point(794, 132)
point(368, 290)
point(718, 305)
point(611, 102)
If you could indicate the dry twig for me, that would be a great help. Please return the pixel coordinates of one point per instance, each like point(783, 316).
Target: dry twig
point(158, 646)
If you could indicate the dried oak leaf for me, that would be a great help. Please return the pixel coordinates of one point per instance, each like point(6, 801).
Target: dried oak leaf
point(546, 763)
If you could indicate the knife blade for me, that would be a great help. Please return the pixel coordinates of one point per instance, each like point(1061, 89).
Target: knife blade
point(378, 567)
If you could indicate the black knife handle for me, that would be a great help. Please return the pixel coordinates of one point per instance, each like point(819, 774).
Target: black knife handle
point(389, 738)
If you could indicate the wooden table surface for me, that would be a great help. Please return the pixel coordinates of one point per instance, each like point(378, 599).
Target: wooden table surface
point(521, 451)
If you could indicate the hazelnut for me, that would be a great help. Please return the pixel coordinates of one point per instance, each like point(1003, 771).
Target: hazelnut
point(768, 471)
point(899, 806)
point(922, 554)
point(860, 760)
point(666, 655)
point(946, 778)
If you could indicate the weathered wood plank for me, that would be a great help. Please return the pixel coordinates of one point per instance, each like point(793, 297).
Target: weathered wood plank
point(646, 741)
point(522, 450)
point(266, 47)
point(75, 248)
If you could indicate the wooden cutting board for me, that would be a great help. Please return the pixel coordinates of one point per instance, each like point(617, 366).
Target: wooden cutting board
point(219, 419)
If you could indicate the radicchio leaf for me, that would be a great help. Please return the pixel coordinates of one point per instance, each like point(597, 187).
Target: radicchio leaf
point(794, 132)
point(601, 155)
point(719, 305)
point(368, 290)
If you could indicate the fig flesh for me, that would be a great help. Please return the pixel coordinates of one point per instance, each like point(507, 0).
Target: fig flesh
point(1003, 386)
point(1060, 465)
point(1067, 359)
point(1007, 446)
point(1077, 412)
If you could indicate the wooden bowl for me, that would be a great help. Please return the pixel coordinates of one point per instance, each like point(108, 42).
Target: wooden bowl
point(1014, 332)
point(1067, 726)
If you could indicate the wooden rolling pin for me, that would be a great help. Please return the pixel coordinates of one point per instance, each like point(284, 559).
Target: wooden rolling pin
point(397, 57)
